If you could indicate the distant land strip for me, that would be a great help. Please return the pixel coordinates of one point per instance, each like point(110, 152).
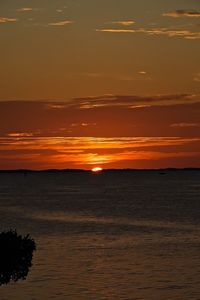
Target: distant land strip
point(103, 171)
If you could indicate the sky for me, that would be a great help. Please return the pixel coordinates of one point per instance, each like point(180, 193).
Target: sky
point(109, 83)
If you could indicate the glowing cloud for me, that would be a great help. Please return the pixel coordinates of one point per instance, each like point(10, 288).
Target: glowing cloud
point(116, 30)
point(20, 134)
point(61, 23)
point(186, 34)
point(123, 23)
point(25, 9)
point(142, 72)
point(182, 13)
point(132, 101)
point(87, 151)
point(7, 20)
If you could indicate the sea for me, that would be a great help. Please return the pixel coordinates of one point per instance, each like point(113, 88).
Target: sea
point(127, 235)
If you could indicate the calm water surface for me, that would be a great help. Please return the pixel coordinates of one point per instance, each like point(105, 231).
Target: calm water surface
point(117, 235)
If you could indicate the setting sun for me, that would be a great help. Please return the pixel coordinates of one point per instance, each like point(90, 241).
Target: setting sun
point(97, 169)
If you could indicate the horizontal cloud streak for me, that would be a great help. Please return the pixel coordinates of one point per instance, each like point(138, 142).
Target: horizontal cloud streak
point(116, 30)
point(132, 101)
point(110, 130)
point(107, 115)
point(186, 34)
point(63, 144)
point(86, 151)
point(185, 125)
point(25, 9)
point(61, 23)
point(182, 13)
point(123, 23)
point(7, 20)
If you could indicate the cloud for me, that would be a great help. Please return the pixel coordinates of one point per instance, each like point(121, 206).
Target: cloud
point(120, 131)
point(132, 101)
point(104, 115)
point(123, 23)
point(142, 72)
point(61, 23)
point(182, 13)
point(61, 152)
point(126, 101)
point(20, 134)
point(116, 30)
point(186, 34)
point(185, 125)
point(82, 124)
point(25, 9)
point(7, 20)
point(56, 105)
point(64, 144)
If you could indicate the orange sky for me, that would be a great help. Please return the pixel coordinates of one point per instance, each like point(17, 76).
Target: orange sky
point(88, 133)
point(99, 83)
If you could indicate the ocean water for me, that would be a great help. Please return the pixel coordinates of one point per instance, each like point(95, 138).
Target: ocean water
point(112, 235)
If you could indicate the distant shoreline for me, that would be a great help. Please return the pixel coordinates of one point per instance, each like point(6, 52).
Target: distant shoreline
point(89, 171)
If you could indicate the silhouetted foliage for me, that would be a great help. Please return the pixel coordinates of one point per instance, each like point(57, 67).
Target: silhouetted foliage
point(16, 252)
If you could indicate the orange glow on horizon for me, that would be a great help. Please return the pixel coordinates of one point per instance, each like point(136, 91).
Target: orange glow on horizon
point(97, 169)
point(29, 152)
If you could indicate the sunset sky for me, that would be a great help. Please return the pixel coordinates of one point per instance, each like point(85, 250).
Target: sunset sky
point(109, 83)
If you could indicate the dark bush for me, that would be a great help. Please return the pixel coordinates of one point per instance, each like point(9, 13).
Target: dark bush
point(16, 252)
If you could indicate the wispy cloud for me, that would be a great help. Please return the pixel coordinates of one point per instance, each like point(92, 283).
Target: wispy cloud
point(63, 144)
point(185, 125)
point(61, 23)
point(106, 115)
point(142, 72)
point(186, 34)
point(7, 20)
point(56, 105)
point(112, 30)
point(128, 101)
point(87, 151)
point(20, 134)
point(82, 124)
point(123, 23)
point(182, 13)
point(118, 132)
point(25, 9)
point(131, 101)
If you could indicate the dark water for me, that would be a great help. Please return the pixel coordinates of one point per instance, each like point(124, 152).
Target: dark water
point(120, 235)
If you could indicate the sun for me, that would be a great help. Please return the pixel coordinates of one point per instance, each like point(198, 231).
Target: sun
point(97, 169)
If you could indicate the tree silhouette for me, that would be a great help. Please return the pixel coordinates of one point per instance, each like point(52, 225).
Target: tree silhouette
point(16, 252)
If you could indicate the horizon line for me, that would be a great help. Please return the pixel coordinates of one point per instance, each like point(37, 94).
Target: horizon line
point(90, 170)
